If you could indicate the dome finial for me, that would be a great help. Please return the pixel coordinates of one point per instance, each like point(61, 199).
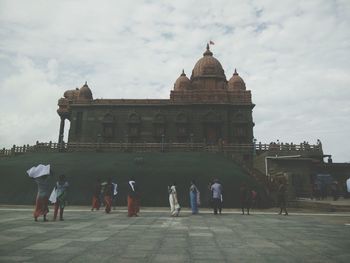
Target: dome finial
point(85, 83)
point(183, 73)
point(208, 52)
point(235, 73)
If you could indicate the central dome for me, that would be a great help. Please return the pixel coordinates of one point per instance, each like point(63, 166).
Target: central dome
point(208, 66)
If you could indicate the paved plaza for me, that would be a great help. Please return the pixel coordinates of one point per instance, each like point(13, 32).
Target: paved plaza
point(154, 236)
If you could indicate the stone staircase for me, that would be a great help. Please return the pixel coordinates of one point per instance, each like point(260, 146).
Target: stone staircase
point(259, 177)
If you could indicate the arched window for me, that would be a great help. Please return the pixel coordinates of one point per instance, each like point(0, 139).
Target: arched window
point(159, 125)
point(108, 126)
point(182, 128)
point(134, 121)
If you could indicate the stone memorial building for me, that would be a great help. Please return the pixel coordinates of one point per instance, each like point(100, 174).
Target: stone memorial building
point(205, 108)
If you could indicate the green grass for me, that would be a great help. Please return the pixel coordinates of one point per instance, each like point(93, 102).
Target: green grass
point(153, 175)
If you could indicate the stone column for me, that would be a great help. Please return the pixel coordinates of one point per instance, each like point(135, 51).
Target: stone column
point(61, 134)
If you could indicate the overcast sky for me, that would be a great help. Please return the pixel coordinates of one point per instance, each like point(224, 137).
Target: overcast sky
point(293, 55)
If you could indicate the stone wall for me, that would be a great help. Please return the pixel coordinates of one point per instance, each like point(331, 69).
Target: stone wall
point(230, 123)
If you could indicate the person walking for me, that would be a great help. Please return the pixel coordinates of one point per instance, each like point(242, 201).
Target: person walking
point(133, 198)
point(115, 194)
point(61, 196)
point(173, 201)
point(42, 198)
point(217, 191)
point(282, 199)
point(102, 194)
point(96, 196)
point(108, 193)
point(194, 197)
point(245, 198)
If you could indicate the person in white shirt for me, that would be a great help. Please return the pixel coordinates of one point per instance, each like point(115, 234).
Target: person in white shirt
point(217, 190)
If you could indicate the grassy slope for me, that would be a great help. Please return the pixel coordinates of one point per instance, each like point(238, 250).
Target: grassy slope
point(156, 172)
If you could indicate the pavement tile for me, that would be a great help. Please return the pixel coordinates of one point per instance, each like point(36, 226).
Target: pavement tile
point(49, 244)
point(170, 258)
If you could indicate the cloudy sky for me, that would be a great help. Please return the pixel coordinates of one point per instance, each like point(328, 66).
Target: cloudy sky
point(293, 55)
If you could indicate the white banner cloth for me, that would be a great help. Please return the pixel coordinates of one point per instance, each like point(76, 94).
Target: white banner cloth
point(53, 196)
point(40, 170)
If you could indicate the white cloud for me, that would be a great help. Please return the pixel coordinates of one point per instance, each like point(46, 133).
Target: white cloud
point(28, 105)
point(293, 55)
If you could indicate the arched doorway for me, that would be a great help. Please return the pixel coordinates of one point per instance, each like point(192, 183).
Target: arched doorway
point(212, 127)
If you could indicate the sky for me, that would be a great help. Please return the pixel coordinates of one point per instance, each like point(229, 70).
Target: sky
point(294, 56)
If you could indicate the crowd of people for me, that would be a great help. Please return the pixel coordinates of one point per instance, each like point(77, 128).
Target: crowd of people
point(105, 194)
point(321, 190)
point(303, 146)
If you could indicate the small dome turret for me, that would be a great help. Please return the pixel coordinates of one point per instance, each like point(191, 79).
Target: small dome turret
point(182, 83)
point(236, 82)
point(85, 93)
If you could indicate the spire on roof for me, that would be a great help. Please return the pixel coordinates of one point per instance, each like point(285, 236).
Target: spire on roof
point(208, 52)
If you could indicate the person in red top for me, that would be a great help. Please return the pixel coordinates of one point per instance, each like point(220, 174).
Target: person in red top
point(96, 196)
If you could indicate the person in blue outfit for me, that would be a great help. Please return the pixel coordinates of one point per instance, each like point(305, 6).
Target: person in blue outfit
point(61, 192)
point(194, 197)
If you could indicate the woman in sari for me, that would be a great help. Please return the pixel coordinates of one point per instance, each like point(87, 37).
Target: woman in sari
point(194, 197)
point(108, 192)
point(96, 196)
point(42, 198)
point(174, 204)
point(133, 198)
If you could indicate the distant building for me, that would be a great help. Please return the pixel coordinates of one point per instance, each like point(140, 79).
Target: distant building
point(203, 108)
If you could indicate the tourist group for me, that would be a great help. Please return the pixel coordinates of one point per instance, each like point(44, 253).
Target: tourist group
point(105, 193)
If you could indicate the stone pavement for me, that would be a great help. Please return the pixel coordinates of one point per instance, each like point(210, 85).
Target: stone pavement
point(87, 236)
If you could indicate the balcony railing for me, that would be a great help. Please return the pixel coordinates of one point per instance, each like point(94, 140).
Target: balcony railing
point(160, 147)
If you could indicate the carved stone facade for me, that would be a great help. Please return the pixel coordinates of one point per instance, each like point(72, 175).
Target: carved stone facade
point(205, 108)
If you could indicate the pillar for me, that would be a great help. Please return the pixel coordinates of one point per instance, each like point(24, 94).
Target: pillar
point(61, 134)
